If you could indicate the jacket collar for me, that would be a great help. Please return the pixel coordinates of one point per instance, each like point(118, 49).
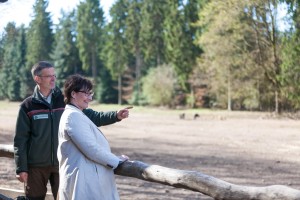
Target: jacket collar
point(37, 96)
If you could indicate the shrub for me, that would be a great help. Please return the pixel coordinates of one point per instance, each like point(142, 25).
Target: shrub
point(158, 85)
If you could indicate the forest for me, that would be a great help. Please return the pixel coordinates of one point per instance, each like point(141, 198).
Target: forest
point(217, 54)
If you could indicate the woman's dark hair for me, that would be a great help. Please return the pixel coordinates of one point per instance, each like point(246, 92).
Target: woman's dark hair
point(76, 83)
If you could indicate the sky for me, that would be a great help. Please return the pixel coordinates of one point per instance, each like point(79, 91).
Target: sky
point(20, 11)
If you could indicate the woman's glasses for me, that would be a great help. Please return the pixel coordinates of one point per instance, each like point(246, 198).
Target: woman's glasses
point(87, 94)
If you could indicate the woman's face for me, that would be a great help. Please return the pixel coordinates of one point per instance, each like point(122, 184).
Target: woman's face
point(82, 98)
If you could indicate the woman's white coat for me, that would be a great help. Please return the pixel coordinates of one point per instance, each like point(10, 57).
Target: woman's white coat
point(85, 160)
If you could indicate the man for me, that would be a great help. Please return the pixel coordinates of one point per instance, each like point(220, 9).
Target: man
point(36, 137)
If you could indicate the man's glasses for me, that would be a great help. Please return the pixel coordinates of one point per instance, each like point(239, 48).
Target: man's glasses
point(49, 76)
point(87, 94)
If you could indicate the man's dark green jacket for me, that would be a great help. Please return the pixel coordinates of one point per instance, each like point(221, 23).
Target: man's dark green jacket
point(36, 137)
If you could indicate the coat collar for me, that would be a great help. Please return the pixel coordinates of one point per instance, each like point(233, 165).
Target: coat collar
point(36, 94)
point(72, 107)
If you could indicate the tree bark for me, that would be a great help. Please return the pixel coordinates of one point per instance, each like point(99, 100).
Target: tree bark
point(195, 181)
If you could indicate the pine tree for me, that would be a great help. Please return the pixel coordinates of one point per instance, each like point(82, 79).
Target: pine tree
point(39, 39)
point(133, 29)
point(151, 34)
point(13, 58)
point(192, 51)
point(178, 51)
point(116, 52)
point(66, 54)
point(90, 24)
point(22, 67)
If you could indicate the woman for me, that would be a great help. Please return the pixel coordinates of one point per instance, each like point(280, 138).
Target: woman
point(86, 163)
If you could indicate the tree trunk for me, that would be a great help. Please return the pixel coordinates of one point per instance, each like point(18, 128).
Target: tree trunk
point(120, 90)
point(94, 67)
point(195, 181)
point(138, 66)
point(228, 90)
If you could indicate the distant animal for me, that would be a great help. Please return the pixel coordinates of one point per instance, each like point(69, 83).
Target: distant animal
point(196, 116)
point(182, 116)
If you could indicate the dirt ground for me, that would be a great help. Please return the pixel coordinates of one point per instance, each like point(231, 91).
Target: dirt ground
point(253, 149)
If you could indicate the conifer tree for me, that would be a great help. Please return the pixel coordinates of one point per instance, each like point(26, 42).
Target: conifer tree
point(66, 54)
point(116, 52)
point(22, 67)
point(178, 52)
point(134, 43)
point(39, 38)
point(13, 61)
point(90, 24)
point(151, 34)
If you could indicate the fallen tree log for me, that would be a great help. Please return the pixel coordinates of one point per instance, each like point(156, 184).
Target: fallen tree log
point(6, 150)
point(195, 181)
point(12, 194)
point(205, 184)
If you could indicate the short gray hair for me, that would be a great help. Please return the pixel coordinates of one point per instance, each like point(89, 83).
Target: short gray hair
point(37, 68)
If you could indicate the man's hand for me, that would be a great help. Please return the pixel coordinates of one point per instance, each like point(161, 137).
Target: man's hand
point(123, 158)
point(22, 177)
point(123, 113)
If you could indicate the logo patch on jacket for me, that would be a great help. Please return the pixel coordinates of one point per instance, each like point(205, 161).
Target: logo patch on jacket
point(41, 116)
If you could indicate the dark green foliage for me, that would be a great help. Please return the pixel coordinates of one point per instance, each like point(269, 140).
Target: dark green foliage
point(90, 22)
point(152, 31)
point(179, 36)
point(13, 61)
point(134, 43)
point(115, 53)
point(66, 54)
point(22, 67)
point(105, 90)
point(39, 39)
point(115, 48)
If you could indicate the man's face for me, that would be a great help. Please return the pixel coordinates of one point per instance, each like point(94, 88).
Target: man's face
point(47, 79)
